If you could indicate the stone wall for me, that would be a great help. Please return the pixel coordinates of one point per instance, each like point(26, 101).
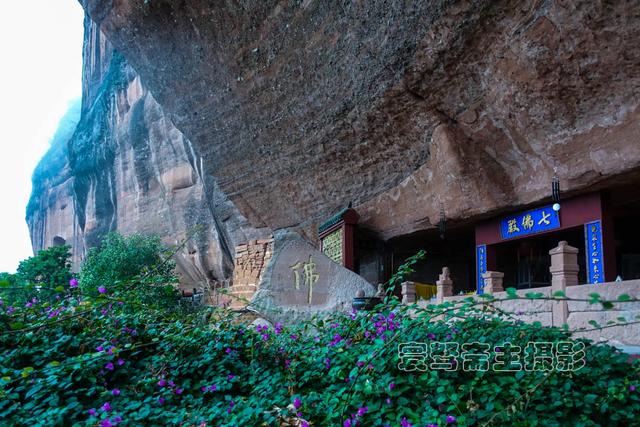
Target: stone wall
point(579, 313)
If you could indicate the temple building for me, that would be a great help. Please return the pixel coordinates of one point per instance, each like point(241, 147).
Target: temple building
point(604, 225)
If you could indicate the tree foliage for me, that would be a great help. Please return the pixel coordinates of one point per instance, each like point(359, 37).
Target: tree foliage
point(121, 258)
point(50, 267)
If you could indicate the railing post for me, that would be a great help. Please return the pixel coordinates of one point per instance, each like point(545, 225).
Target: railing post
point(493, 282)
point(408, 293)
point(564, 272)
point(444, 286)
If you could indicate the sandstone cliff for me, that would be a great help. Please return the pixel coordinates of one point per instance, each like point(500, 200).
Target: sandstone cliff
point(299, 108)
point(127, 168)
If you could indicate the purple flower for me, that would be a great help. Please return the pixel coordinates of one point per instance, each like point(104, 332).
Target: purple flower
point(278, 328)
point(230, 377)
point(161, 401)
point(93, 412)
point(432, 425)
point(172, 384)
point(304, 424)
point(212, 388)
point(179, 391)
point(100, 348)
point(362, 411)
point(228, 350)
point(117, 419)
point(431, 336)
point(203, 388)
point(359, 363)
point(451, 419)
point(293, 337)
point(632, 388)
point(102, 289)
point(405, 423)
point(10, 309)
point(106, 407)
point(327, 363)
point(297, 403)
point(265, 337)
point(28, 305)
point(120, 362)
point(287, 363)
point(388, 401)
point(73, 283)
point(106, 423)
point(115, 392)
point(162, 383)
point(109, 366)
point(347, 423)
point(336, 339)
point(392, 386)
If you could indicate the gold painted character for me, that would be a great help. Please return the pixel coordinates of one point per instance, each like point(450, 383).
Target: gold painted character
point(545, 219)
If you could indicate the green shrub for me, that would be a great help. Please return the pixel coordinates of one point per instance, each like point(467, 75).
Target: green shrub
point(107, 357)
point(111, 359)
point(50, 267)
point(121, 258)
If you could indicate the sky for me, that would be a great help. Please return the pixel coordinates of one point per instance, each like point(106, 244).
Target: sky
point(40, 76)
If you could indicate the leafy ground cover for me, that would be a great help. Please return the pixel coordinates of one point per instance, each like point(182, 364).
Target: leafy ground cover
point(124, 353)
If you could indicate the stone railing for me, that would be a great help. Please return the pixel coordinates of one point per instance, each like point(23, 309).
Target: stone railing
point(575, 314)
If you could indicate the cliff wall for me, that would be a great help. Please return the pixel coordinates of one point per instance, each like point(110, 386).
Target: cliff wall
point(300, 107)
point(127, 168)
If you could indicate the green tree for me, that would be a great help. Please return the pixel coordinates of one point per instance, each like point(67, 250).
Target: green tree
point(121, 258)
point(49, 267)
point(9, 278)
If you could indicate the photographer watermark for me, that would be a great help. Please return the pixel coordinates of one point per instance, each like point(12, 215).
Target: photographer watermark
point(561, 356)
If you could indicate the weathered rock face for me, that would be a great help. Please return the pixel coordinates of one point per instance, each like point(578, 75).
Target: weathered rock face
point(301, 107)
point(127, 168)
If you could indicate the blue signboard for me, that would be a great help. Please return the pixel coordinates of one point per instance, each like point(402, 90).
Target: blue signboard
point(481, 266)
point(595, 257)
point(530, 222)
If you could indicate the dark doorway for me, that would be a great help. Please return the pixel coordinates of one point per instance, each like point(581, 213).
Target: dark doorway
point(526, 262)
point(627, 236)
point(456, 251)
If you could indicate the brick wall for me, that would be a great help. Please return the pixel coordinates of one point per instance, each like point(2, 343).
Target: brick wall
point(251, 259)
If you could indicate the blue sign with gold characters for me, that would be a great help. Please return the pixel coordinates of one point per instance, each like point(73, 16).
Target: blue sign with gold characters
point(595, 257)
point(481, 267)
point(530, 222)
